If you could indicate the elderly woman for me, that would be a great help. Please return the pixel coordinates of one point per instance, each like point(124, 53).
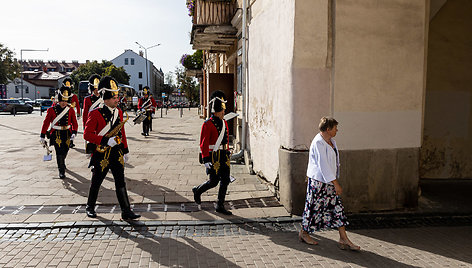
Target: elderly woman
point(323, 208)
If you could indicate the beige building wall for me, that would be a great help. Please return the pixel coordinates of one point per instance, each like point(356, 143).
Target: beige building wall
point(270, 54)
point(379, 73)
point(447, 146)
point(378, 88)
point(364, 62)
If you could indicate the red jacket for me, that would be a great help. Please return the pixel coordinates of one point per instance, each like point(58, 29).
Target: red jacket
point(142, 100)
point(208, 137)
point(51, 115)
point(87, 104)
point(95, 123)
point(75, 103)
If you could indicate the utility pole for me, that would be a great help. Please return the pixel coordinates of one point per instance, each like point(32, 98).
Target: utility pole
point(145, 55)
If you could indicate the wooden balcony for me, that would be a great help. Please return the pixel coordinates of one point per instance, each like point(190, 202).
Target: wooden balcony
point(212, 29)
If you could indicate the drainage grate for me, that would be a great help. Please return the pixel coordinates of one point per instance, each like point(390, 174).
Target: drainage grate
point(142, 207)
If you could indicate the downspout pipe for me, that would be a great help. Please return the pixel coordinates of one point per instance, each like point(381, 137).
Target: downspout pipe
point(240, 155)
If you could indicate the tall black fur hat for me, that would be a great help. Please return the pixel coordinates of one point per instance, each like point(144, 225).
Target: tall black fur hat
point(94, 80)
point(217, 101)
point(109, 86)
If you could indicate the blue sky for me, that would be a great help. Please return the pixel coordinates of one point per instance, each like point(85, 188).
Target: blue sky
point(96, 30)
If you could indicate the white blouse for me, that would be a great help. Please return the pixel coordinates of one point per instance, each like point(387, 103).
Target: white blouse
point(323, 162)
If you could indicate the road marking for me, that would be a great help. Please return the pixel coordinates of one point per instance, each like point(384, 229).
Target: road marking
point(41, 207)
point(264, 203)
point(76, 209)
point(18, 210)
point(58, 208)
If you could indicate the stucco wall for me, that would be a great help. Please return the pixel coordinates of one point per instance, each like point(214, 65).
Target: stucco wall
point(379, 73)
point(447, 145)
point(269, 82)
point(311, 72)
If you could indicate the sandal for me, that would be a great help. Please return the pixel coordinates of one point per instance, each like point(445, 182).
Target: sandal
point(350, 246)
point(305, 237)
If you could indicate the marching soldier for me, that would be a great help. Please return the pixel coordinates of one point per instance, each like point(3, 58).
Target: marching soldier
point(74, 101)
point(146, 104)
point(105, 129)
point(63, 129)
point(91, 102)
point(214, 152)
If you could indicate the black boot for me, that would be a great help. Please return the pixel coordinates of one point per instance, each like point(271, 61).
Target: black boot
point(196, 195)
point(61, 166)
point(220, 207)
point(91, 201)
point(71, 144)
point(90, 211)
point(126, 212)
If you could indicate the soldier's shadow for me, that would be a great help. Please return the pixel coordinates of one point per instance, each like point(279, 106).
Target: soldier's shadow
point(81, 185)
point(169, 251)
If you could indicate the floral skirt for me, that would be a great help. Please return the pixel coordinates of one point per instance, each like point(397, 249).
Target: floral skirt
point(323, 208)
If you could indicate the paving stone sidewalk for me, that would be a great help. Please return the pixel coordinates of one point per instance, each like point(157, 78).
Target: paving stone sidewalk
point(249, 245)
point(162, 170)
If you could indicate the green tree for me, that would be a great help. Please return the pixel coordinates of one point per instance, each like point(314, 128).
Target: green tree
point(194, 61)
point(9, 68)
point(118, 73)
point(104, 68)
point(187, 84)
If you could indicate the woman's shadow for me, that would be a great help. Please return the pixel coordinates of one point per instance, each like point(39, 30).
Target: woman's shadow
point(326, 248)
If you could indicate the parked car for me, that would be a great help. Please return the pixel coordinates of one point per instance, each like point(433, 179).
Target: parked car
point(14, 106)
point(37, 102)
point(45, 104)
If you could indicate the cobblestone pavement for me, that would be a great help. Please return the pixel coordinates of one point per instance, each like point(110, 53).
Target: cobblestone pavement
point(233, 245)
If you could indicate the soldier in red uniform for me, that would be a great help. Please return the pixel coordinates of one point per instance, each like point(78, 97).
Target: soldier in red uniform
point(215, 152)
point(93, 100)
point(111, 153)
point(146, 104)
point(63, 129)
point(74, 100)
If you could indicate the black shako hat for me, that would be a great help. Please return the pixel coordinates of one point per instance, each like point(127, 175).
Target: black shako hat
point(68, 83)
point(63, 93)
point(94, 80)
point(109, 86)
point(146, 91)
point(217, 101)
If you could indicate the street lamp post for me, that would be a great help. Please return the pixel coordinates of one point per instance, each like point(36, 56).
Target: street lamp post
point(21, 61)
point(145, 55)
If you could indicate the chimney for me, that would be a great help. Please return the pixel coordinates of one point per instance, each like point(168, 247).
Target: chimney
point(141, 53)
